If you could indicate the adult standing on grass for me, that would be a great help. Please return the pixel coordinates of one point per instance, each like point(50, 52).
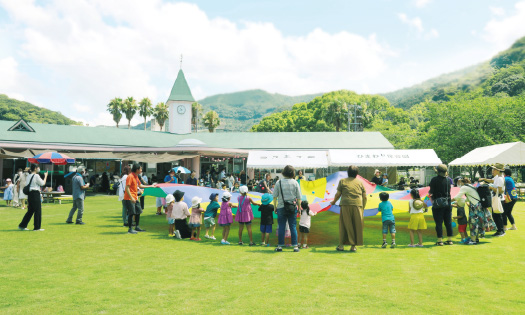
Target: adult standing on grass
point(243, 177)
point(34, 201)
point(121, 190)
point(497, 196)
point(441, 204)
point(22, 182)
point(475, 216)
point(511, 196)
point(79, 193)
point(352, 204)
point(286, 198)
point(131, 196)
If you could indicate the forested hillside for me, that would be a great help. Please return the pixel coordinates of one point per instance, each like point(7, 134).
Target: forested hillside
point(453, 114)
point(11, 109)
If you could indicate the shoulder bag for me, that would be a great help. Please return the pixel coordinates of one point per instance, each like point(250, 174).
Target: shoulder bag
point(289, 206)
point(443, 202)
point(26, 190)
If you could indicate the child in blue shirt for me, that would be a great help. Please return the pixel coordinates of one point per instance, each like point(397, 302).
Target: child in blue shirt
point(387, 217)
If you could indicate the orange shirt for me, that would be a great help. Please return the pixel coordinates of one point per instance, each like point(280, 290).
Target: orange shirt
point(132, 182)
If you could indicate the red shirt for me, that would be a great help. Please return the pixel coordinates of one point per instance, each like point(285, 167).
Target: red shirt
point(132, 181)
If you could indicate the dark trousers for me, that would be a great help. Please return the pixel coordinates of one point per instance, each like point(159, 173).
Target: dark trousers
point(141, 198)
point(442, 215)
point(507, 212)
point(498, 219)
point(34, 207)
point(182, 226)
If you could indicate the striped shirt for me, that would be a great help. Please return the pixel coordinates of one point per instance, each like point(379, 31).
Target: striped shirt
point(291, 191)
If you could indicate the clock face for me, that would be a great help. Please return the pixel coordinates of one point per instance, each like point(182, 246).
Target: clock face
point(181, 109)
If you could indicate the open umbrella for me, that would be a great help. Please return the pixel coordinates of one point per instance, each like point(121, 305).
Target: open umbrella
point(54, 158)
point(182, 169)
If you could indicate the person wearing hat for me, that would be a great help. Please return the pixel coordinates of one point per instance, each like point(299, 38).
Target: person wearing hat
point(244, 215)
point(79, 193)
point(498, 198)
point(8, 192)
point(417, 221)
point(210, 214)
point(20, 184)
point(377, 178)
point(195, 218)
point(441, 204)
point(267, 211)
point(226, 217)
point(476, 212)
point(170, 200)
point(179, 214)
point(16, 190)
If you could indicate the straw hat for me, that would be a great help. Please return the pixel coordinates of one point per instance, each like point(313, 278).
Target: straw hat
point(498, 166)
point(418, 204)
point(441, 168)
point(195, 201)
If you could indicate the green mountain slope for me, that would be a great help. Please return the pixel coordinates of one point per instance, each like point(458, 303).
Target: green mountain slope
point(241, 110)
point(483, 75)
point(11, 109)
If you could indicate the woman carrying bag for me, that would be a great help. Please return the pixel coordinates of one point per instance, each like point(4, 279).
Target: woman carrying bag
point(34, 201)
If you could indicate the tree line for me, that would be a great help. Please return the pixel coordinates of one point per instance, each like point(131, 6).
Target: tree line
point(128, 108)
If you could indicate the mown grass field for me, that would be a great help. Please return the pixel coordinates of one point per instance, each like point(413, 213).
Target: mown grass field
point(98, 268)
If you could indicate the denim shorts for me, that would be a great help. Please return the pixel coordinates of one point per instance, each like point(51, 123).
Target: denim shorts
point(194, 225)
point(171, 221)
point(266, 228)
point(389, 225)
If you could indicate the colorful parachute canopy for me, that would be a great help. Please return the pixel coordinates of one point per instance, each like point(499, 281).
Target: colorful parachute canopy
point(319, 194)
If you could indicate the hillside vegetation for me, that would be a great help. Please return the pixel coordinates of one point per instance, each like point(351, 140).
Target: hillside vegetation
point(11, 109)
point(453, 114)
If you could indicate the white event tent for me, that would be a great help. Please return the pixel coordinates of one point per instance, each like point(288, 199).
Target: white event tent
point(507, 153)
point(384, 157)
point(279, 159)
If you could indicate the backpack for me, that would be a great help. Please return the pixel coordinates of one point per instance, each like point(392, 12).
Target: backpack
point(485, 195)
point(116, 186)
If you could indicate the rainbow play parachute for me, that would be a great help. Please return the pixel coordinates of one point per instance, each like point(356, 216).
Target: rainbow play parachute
point(319, 194)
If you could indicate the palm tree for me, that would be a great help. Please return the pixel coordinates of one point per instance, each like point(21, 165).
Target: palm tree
point(211, 120)
point(145, 109)
point(115, 109)
point(130, 109)
point(196, 110)
point(336, 114)
point(161, 114)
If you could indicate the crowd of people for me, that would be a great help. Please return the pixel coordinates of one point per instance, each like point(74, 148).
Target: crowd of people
point(489, 205)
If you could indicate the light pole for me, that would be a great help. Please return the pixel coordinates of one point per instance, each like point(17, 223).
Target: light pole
point(355, 123)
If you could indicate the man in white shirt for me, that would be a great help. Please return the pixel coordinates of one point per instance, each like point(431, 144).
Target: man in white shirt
point(497, 189)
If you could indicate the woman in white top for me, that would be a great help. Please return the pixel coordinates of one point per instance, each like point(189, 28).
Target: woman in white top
point(125, 171)
point(34, 202)
point(476, 211)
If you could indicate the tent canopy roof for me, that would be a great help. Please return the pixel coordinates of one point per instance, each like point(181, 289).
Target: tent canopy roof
point(279, 159)
point(512, 153)
point(386, 157)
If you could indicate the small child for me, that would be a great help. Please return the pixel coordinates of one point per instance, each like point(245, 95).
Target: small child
point(210, 214)
point(195, 219)
point(224, 188)
point(304, 223)
point(236, 187)
point(8, 192)
point(462, 220)
point(385, 180)
point(244, 214)
point(417, 219)
point(170, 200)
point(267, 211)
point(226, 217)
point(388, 219)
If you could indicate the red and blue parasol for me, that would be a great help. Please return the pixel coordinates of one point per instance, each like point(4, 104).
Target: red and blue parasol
point(51, 158)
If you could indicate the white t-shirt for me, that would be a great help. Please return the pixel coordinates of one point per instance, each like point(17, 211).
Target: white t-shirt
point(412, 210)
point(306, 218)
point(499, 182)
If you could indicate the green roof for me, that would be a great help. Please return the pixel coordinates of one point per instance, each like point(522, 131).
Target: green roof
point(181, 90)
point(116, 137)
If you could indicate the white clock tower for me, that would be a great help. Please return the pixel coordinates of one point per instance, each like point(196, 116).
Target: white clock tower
point(179, 103)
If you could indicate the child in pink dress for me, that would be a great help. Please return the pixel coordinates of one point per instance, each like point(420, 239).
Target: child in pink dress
point(245, 214)
point(195, 218)
point(226, 217)
point(170, 200)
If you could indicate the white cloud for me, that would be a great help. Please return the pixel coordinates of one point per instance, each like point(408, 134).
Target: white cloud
point(421, 3)
point(93, 51)
point(502, 32)
point(414, 22)
point(433, 33)
point(497, 11)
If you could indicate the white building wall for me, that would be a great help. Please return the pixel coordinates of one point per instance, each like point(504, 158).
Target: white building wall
point(180, 117)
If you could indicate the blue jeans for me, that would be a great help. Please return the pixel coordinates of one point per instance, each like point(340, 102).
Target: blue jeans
point(282, 218)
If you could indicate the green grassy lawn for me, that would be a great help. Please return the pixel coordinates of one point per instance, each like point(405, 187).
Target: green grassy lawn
point(98, 268)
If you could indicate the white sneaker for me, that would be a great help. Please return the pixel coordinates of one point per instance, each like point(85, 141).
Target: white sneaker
point(23, 229)
point(207, 236)
point(177, 235)
point(212, 238)
point(512, 228)
point(39, 230)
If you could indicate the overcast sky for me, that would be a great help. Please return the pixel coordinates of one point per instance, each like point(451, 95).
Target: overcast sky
point(74, 56)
